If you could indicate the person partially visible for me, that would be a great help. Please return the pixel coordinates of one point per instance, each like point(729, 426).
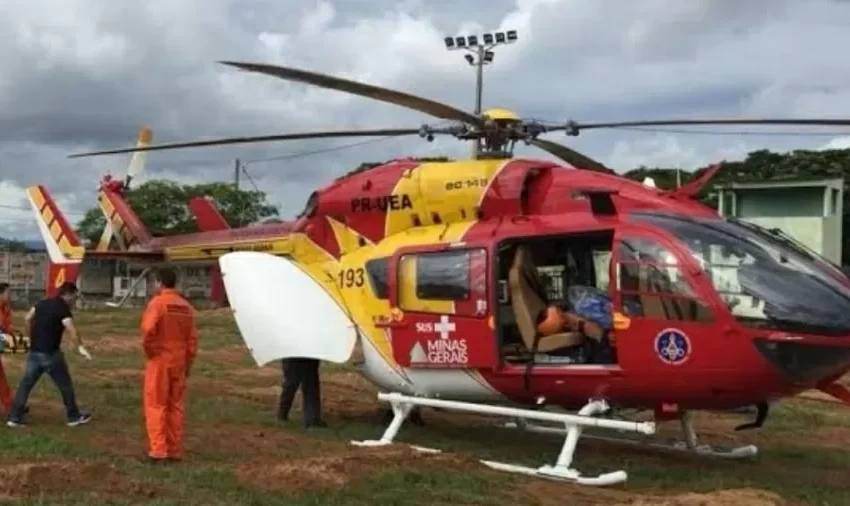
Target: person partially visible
point(5, 330)
point(303, 373)
point(170, 343)
point(592, 316)
point(48, 321)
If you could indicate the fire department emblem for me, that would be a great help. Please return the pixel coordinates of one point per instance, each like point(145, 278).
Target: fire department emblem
point(672, 346)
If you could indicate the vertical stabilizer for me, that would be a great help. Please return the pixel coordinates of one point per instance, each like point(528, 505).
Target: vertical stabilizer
point(207, 215)
point(64, 249)
point(134, 171)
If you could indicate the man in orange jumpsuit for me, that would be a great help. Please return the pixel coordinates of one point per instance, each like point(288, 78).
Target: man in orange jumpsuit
point(5, 328)
point(170, 342)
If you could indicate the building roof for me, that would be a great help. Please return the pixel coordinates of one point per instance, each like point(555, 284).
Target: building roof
point(837, 183)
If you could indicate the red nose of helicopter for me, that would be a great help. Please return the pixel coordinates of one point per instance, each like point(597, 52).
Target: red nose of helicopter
point(792, 302)
point(810, 361)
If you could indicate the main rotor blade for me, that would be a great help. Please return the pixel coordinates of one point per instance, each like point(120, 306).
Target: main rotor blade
point(389, 132)
point(414, 102)
point(731, 121)
point(570, 156)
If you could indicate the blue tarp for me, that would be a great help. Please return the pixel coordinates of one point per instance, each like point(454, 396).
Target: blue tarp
point(595, 305)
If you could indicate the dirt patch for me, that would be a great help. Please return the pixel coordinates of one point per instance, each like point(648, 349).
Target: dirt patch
point(345, 396)
point(24, 478)
point(337, 471)
point(816, 395)
point(820, 437)
point(216, 442)
point(129, 375)
point(262, 395)
point(112, 344)
point(264, 373)
point(738, 497)
point(226, 355)
point(546, 493)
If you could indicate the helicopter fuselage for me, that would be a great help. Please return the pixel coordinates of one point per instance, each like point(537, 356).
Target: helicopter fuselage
point(420, 255)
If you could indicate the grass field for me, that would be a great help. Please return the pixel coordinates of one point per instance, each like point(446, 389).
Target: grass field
point(237, 454)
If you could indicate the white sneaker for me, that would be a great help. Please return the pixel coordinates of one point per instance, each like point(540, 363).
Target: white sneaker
point(81, 420)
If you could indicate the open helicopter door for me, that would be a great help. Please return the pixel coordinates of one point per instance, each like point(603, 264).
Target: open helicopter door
point(670, 314)
point(442, 295)
point(283, 312)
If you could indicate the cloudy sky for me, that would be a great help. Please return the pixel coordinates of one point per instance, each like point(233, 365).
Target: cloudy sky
point(77, 75)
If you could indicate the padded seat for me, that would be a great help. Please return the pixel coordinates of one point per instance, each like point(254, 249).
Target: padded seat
point(527, 302)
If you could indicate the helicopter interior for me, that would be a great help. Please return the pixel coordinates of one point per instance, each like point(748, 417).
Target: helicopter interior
point(572, 273)
point(534, 273)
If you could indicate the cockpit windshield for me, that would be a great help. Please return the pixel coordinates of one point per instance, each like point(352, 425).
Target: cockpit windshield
point(767, 280)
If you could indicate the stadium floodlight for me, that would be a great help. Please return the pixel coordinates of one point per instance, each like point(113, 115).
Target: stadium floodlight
point(480, 53)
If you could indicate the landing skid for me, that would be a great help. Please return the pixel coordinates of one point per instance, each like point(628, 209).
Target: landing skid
point(689, 445)
point(573, 425)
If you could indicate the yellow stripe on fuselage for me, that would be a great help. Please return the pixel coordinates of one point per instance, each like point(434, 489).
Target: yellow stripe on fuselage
point(360, 301)
point(449, 192)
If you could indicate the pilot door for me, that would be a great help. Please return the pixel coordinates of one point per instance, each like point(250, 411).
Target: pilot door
point(443, 298)
point(670, 314)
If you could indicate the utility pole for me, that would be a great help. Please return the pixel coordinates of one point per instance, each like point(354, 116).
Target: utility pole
point(236, 169)
point(483, 55)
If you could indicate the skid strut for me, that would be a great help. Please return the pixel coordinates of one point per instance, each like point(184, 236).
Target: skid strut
point(573, 425)
point(690, 443)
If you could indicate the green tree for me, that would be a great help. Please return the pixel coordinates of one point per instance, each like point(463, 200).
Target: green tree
point(163, 206)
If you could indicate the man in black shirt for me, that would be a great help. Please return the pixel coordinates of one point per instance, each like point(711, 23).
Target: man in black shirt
point(47, 322)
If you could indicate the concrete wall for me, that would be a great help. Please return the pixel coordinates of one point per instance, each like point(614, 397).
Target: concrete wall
point(96, 277)
point(779, 202)
point(25, 274)
point(809, 211)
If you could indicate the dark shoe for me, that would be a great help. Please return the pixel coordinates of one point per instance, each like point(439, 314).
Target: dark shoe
point(80, 420)
point(155, 460)
point(316, 425)
point(281, 418)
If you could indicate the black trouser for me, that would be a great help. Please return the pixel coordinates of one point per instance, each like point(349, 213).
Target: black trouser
point(304, 373)
point(55, 366)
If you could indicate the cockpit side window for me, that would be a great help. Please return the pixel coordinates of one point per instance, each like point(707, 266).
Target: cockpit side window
point(652, 284)
point(764, 283)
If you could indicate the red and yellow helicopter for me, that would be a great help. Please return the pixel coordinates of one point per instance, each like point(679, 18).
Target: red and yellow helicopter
point(441, 281)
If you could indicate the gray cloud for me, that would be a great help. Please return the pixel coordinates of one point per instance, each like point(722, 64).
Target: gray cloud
point(85, 74)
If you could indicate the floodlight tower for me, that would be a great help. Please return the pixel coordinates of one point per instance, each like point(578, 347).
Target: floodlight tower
point(480, 54)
